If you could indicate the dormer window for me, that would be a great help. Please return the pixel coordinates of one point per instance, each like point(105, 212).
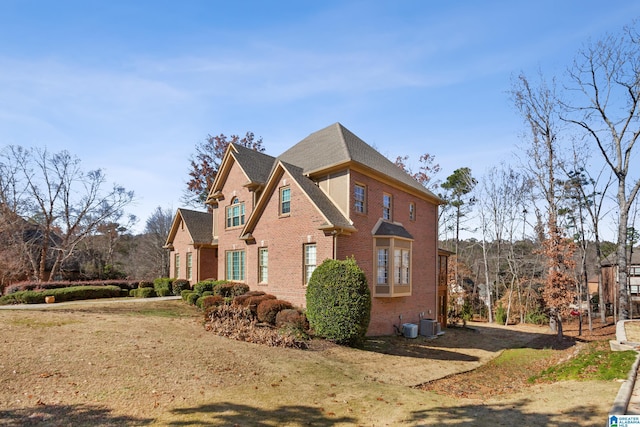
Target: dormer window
point(235, 213)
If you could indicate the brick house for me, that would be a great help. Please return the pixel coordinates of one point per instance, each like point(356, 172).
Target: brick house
point(329, 196)
point(193, 252)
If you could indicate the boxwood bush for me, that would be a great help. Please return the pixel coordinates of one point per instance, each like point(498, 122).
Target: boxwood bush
point(180, 285)
point(339, 302)
point(144, 293)
point(72, 293)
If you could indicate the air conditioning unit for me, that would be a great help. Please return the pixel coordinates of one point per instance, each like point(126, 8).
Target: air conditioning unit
point(410, 330)
point(429, 327)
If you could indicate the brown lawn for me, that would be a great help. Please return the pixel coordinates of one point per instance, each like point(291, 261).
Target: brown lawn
point(153, 363)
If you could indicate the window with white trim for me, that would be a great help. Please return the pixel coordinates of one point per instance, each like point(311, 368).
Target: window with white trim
point(235, 262)
point(387, 206)
point(189, 265)
point(176, 267)
point(383, 266)
point(263, 265)
point(285, 201)
point(310, 261)
point(235, 213)
point(412, 211)
point(360, 198)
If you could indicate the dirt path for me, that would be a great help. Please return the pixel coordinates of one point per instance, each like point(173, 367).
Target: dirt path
point(153, 363)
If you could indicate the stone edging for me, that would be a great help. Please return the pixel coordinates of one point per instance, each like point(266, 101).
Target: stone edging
point(621, 402)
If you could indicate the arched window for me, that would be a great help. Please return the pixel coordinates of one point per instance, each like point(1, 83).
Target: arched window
point(235, 213)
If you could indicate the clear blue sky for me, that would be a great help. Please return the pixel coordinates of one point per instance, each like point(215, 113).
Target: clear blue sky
point(132, 86)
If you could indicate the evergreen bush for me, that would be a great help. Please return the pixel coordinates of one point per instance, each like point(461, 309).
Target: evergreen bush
point(339, 302)
point(180, 285)
point(192, 298)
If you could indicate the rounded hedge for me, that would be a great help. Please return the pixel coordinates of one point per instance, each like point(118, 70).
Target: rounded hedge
point(339, 302)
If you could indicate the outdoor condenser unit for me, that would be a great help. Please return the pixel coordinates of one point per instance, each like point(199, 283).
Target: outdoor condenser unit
point(428, 327)
point(410, 330)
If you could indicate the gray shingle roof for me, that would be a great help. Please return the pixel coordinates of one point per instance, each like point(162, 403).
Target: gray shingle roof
point(391, 229)
point(335, 145)
point(255, 164)
point(612, 259)
point(199, 224)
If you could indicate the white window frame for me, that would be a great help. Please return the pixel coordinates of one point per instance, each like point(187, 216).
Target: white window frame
point(263, 265)
point(387, 206)
point(360, 198)
point(235, 258)
point(235, 214)
point(310, 261)
point(285, 205)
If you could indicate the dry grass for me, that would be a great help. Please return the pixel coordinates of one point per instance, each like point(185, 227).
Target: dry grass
point(153, 363)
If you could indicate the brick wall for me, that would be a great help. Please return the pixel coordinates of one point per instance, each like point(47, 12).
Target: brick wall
point(285, 237)
point(386, 311)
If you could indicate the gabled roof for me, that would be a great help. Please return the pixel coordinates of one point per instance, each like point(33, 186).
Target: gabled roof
point(334, 219)
point(612, 259)
point(335, 146)
point(199, 225)
point(254, 164)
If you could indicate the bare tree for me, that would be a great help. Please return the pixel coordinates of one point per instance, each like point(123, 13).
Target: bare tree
point(605, 84)
point(539, 107)
point(62, 201)
point(157, 230)
point(504, 192)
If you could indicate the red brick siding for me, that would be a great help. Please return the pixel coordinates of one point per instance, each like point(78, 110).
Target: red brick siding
point(385, 310)
point(181, 245)
point(229, 239)
point(285, 237)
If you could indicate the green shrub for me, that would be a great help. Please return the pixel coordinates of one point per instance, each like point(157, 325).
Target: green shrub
point(239, 289)
point(146, 284)
point(537, 318)
point(269, 309)
point(204, 286)
point(33, 297)
point(179, 285)
point(339, 302)
point(72, 293)
point(144, 293)
point(192, 298)
point(185, 294)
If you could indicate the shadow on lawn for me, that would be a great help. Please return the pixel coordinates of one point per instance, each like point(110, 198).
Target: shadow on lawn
point(67, 415)
point(512, 413)
point(479, 337)
point(243, 415)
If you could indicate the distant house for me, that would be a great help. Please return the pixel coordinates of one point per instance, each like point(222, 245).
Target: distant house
point(330, 196)
point(193, 252)
point(610, 284)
